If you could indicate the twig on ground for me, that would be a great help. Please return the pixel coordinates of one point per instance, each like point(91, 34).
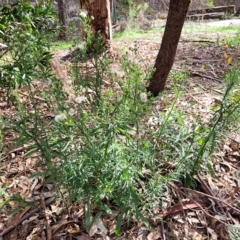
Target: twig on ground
point(209, 191)
point(48, 221)
point(13, 151)
point(208, 214)
point(215, 198)
point(205, 76)
point(36, 97)
point(179, 198)
point(10, 228)
point(212, 89)
point(200, 40)
point(163, 231)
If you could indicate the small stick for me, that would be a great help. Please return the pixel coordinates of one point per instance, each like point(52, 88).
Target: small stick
point(163, 232)
point(209, 191)
point(36, 97)
point(12, 151)
point(10, 228)
point(218, 199)
point(49, 229)
point(205, 76)
point(208, 214)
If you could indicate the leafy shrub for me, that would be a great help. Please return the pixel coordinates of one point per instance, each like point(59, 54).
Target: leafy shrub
point(107, 146)
point(24, 29)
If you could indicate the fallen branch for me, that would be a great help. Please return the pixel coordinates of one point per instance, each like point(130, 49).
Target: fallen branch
point(10, 228)
point(215, 198)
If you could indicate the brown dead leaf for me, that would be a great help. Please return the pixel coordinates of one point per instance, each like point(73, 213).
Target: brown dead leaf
point(34, 234)
point(155, 235)
point(97, 227)
point(212, 233)
point(73, 229)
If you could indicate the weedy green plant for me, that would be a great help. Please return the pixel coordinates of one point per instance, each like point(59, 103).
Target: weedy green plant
point(234, 232)
point(89, 48)
point(234, 41)
point(24, 28)
point(210, 3)
point(1, 135)
point(108, 147)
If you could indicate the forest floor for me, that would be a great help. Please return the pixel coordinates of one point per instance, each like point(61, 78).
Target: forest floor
point(202, 213)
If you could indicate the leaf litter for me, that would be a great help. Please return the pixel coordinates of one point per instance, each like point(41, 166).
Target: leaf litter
point(205, 213)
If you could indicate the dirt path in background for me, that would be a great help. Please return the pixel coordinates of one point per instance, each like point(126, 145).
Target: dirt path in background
point(224, 23)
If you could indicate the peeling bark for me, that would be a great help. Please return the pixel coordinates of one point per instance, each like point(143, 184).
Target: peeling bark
point(99, 10)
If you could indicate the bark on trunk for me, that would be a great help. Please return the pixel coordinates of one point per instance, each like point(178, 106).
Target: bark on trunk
point(99, 10)
point(61, 15)
point(165, 58)
point(237, 6)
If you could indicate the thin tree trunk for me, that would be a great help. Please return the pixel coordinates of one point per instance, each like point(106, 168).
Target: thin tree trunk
point(165, 58)
point(61, 15)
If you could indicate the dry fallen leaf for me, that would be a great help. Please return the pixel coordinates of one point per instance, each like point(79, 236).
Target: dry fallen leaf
point(154, 235)
point(97, 227)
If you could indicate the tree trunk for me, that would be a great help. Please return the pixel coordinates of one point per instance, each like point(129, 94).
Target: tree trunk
point(99, 11)
point(61, 15)
point(237, 7)
point(165, 58)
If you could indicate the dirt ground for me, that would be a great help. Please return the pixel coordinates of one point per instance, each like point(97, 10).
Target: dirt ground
point(203, 213)
point(225, 23)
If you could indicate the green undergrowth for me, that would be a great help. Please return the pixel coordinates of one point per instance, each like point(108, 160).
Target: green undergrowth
point(234, 42)
point(108, 146)
point(61, 45)
point(192, 27)
point(138, 34)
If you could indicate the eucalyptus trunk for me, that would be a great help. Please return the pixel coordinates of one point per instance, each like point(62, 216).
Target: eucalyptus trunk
point(99, 12)
point(166, 55)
